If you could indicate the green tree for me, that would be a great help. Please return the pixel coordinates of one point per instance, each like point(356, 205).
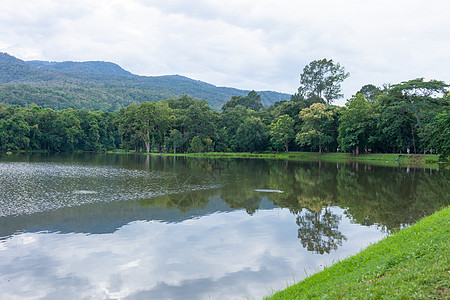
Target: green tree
point(14, 132)
point(321, 79)
point(251, 101)
point(370, 91)
point(127, 123)
point(252, 135)
point(175, 139)
point(356, 124)
point(422, 100)
point(200, 120)
point(90, 140)
point(48, 137)
point(318, 127)
point(153, 122)
point(282, 132)
point(404, 110)
point(196, 145)
point(438, 135)
point(231, 119)
point(68, 128)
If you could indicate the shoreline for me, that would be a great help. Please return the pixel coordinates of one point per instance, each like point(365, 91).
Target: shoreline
point(411, 263)
point(384, 159)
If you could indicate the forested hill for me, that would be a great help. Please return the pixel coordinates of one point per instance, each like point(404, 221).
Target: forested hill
point(90, 67)
point(102, 86)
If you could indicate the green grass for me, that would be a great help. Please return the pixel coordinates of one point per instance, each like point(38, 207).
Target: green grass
point(390, 159)
point(410, 264)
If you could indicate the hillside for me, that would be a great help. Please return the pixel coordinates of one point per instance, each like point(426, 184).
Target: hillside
point(102, 86)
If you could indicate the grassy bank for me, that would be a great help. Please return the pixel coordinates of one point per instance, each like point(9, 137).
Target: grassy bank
point(413, 263)
point(390, 159)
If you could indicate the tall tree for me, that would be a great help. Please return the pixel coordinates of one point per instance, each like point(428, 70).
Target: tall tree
point(14, 132)
point(318, 127)
point(154, 121)
point(419, 95)
point(127, 124)
point(407, 107)
point(68, 128)
point(321, 80)
point(251, 101)
point(252, 135)
point(175, 139)
point(231, 119)
point(282, 132)
point(356, 124)
point(370, 91)
point(439, 135)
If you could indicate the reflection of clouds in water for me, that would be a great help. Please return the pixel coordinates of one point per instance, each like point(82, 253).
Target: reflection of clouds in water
point(223, 255)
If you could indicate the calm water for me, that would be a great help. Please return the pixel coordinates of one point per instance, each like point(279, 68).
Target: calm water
point(132, 227)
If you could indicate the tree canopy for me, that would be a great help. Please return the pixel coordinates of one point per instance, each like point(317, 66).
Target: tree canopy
point(321, 81)
point(251, 101)
point(410, 115)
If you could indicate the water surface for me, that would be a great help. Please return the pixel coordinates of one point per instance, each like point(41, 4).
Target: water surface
point(135, 227)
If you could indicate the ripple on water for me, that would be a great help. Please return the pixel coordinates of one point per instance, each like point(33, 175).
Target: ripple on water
point(34, 187)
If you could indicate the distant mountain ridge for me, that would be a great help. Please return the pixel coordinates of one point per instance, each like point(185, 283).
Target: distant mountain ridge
point(102, 85)
point(90, 67)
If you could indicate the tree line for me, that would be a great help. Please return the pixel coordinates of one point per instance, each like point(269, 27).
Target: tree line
point(410, 116)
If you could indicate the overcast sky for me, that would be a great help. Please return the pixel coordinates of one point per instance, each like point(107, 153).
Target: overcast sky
point(246, 44)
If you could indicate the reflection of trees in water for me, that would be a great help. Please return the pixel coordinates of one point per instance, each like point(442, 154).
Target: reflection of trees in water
point(184, 202)
point(318, 231)
point(311, 188)
point(388, 197)
point(318, 187)
point(391, 197)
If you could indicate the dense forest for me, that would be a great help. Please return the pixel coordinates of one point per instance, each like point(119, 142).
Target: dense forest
point(105, 86)
point(410, 115)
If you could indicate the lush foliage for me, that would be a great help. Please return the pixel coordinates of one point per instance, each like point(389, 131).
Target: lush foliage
point(411, 116)
point(251, 101)
point(318, 127)
point(35, 128)
point(396, 121)
point(321, 80)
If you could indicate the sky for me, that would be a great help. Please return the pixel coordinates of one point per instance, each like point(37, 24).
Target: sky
point(218, 256)
point(245, 44)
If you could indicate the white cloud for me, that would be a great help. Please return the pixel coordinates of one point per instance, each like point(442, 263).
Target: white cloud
point(223, 255)
point(260, 45)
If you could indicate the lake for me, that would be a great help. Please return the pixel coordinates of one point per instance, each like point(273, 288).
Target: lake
point(105, 226)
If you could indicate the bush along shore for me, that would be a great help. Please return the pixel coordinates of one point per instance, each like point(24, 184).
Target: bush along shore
point(413, 263)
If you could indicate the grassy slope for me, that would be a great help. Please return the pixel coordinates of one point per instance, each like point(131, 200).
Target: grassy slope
point(414, 263)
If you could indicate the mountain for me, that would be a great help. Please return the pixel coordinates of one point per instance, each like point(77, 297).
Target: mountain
point(102, 85)
point(89, 67)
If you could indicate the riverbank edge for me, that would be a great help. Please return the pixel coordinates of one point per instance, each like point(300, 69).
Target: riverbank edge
point(388, 159)
point(413, 263)
point(381, 159)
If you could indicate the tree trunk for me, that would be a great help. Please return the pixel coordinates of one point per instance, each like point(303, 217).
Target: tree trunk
point(147, 146)
point(147, 142)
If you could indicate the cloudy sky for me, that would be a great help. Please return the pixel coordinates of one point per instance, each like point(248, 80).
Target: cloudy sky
point(247, 44)
point(219, 256)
